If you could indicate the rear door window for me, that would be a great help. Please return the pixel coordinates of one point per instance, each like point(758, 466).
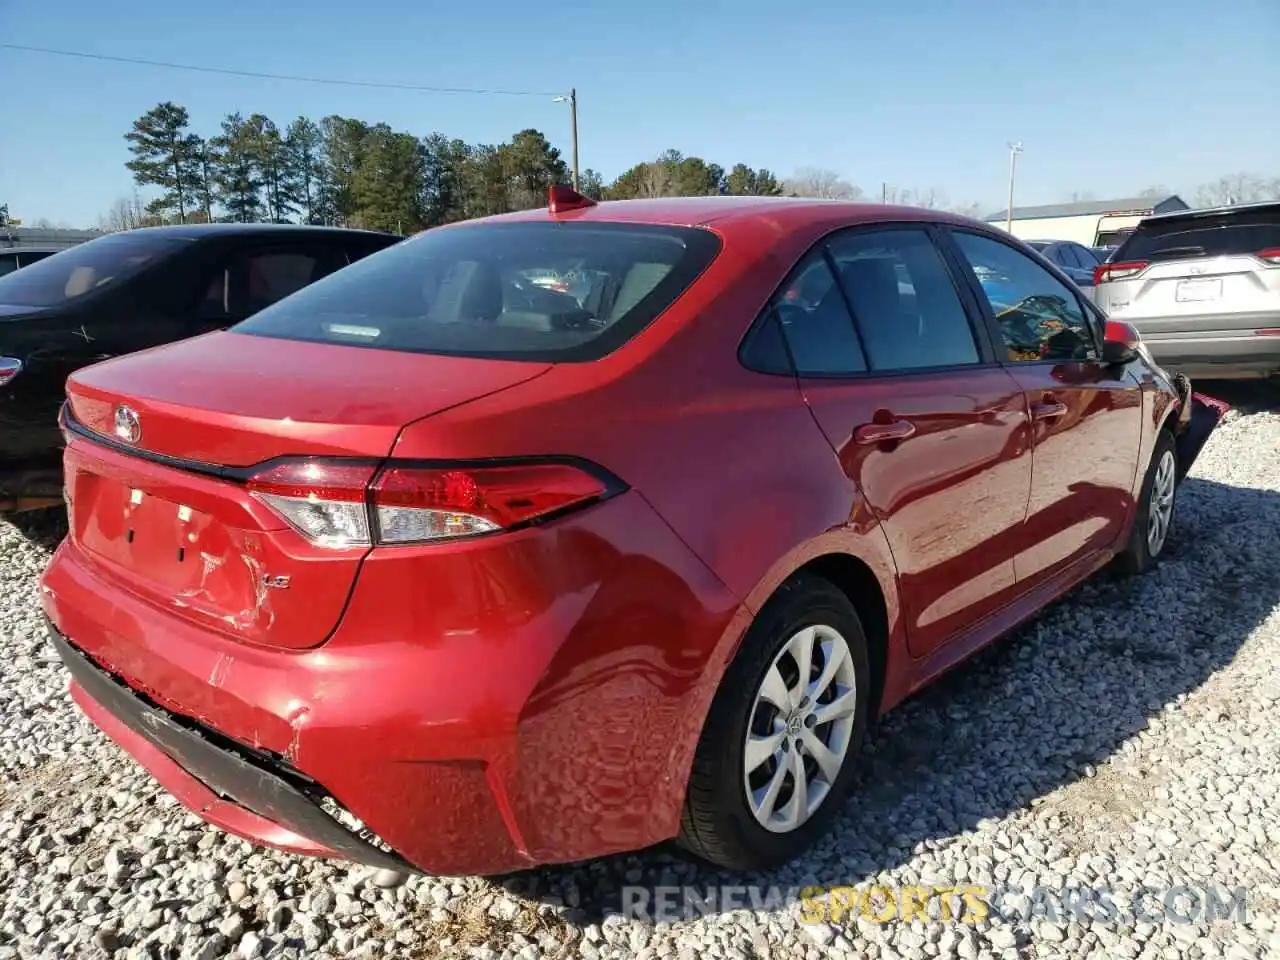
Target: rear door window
point(813, 314)
point(904, 301)
point(534, 291)
point(1229, 233)
point(242, 282)
point(1088, 259)
point(8, 263)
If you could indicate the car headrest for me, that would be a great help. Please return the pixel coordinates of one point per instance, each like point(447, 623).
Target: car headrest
point(482, 296)
point(872, 285)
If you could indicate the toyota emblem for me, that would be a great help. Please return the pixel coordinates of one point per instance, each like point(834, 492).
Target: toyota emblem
point(128, 428)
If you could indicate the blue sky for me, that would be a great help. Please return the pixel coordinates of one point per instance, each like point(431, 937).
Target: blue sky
point(1107, 98)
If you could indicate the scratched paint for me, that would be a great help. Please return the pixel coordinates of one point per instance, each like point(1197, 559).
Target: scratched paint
point(218, 676)
point(297, 719)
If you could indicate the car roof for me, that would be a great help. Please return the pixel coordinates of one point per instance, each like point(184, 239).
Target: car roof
point(199, 231)
point(1206, 212)
point(788, 212)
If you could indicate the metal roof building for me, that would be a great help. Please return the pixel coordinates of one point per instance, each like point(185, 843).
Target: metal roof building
point(1091, 222)
point(21, 236)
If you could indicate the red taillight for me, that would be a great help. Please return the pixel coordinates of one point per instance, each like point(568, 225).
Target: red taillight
point(1271, 255)
point(10, 367)
point(416, 504)
point(323, 500)
point(337, 504)
point(1117, 271)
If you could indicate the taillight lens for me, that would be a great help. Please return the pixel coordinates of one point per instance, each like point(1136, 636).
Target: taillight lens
point(417, 505)
point(10, 367)
point(336, 504)
point(1271, 255)
point(322, 500)
point(1117, 271)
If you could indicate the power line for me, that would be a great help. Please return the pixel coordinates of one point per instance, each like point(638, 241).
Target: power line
point(418, 88)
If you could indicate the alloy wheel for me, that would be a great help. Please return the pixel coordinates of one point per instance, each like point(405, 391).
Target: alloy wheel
point(801, 725)
point(1160, 509)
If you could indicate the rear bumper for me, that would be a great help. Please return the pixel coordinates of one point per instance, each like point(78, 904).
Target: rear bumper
point(257, 798)
point(482, 707)
point(1216, 355)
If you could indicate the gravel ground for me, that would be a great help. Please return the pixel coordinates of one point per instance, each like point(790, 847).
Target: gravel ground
point(1124, 739)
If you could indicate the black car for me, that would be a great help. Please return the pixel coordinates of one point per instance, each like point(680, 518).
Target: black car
point(129, 291)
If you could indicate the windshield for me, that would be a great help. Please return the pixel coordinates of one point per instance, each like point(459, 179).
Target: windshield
point(526, 291)
point(83, 269)
point(1225, 234)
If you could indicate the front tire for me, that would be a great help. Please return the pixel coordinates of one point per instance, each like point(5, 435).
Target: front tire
point(778, 749)
point(1154, 519)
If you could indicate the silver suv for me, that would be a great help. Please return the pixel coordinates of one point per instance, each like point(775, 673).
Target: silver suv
point(1203, 289)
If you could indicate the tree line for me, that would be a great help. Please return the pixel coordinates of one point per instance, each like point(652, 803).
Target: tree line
point(348, 172)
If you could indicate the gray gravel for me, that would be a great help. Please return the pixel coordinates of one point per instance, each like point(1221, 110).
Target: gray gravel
point(1125, 739)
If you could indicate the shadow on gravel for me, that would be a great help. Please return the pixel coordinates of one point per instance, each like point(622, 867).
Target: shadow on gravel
point(45, 528)
point(1247, 396)
point(1040, 709)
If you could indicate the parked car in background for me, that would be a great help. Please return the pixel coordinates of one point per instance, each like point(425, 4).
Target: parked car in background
point(11, 258)
point(1203, 287)
point(1074, 259)
point(128, 291)
point(405, 566)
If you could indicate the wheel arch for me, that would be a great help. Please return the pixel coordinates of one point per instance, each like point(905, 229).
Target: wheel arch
point(856, 580)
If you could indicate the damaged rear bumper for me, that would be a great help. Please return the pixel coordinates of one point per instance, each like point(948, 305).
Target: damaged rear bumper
point(254, 797)
point(1198, 416)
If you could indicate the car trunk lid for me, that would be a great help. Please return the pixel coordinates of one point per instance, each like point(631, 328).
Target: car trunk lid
point(165, 512)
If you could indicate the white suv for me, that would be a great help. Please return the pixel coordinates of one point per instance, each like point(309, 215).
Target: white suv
point(1203, 289)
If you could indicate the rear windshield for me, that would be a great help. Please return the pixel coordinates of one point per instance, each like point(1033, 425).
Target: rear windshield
point(84, 269)
point(525, 291)
point(1228, 233)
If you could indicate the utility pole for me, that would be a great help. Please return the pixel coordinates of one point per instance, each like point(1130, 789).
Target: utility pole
point(572, 100)
point(884, 192)
point(1015, 148)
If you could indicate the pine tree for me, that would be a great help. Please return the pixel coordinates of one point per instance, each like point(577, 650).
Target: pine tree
point(165, 155)
point(305, 168)
point(239, 184)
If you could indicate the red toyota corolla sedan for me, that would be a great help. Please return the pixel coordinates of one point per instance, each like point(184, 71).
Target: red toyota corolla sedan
point(442, 564)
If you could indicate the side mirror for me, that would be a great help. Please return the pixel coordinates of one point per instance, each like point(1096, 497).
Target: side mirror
point(1120, 343)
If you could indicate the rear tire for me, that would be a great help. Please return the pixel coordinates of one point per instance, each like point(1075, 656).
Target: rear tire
point(1154, 519)
point(743, 809)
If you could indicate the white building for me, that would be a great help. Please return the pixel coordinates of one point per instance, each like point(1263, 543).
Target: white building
point(1094, 223)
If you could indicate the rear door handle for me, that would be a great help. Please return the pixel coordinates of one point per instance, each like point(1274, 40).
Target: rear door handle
point(1048, 410)
point(872, 433)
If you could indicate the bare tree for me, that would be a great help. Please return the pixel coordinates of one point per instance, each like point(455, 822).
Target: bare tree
point(127, 213)
point(1237, 188)
point(657, 179)
point(930, 198)
point(821, 183)
point(1082, 196)
point(1157, 192)
point(968, 209)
